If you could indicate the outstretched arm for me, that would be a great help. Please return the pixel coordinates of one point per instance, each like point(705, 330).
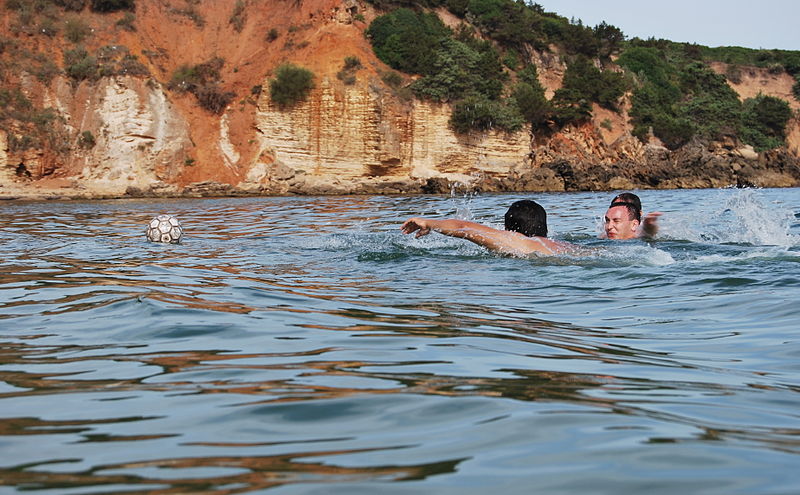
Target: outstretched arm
point(503, 241)
point(650, 224)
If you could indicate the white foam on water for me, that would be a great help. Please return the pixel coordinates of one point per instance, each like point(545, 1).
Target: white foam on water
point(636, 255)
point(734, 216)
point(764, 252)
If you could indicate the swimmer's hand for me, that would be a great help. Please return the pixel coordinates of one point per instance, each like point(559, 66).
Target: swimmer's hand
point(650, 224)
point(419, 225)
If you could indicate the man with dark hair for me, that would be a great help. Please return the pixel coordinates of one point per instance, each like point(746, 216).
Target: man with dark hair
point(628, 197)
point(527, 217)
point(623, 219)
point(526, 231)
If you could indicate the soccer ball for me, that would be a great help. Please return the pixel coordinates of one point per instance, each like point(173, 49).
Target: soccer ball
point(164, 228)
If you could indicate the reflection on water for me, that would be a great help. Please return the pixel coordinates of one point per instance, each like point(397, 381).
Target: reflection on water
point(305, 345)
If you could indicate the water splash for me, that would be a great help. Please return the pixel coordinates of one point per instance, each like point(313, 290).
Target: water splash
point(734, 216)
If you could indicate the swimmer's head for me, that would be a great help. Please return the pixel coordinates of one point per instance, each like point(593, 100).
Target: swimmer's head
point(527, 217)
point(630, 199)
point(621, 221)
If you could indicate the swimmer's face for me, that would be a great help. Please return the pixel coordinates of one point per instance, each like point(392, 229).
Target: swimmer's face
point(619, 225)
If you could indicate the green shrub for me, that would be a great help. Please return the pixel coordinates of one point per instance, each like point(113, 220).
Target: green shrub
point(458, 69)
point(45, 70)
point(86, 140)
point(609, 39)
point(451, 73)
point(511, 59)
point(679, 97)
point(190, 13)
point(74, 5)
point(22, 143)
point(202, 80)
point(512, 24)
point(43, 118)
point(14, 104)
point(348, 73)
point(112, 5)
point(733, 73)
point(238, 16)
point(79, 65)
point(583, 83)
point(477, 112)
point(76, 29)
point(48, 27)
point(532, 104)
point(130, 66)
point(352, 62)
point(126, 22)
point(406, 40)
point(392, 78)
point(763, 122)
point(188, 77)
point(291, 85)
point(211, 97)
point(272, 35)
point(346, 77)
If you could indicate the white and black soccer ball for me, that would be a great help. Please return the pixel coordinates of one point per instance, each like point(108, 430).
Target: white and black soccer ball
point(164, 228)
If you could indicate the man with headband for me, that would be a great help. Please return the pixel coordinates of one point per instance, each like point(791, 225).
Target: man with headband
point(623, 219)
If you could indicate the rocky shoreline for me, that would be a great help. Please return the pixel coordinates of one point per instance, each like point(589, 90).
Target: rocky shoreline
point(694, 166)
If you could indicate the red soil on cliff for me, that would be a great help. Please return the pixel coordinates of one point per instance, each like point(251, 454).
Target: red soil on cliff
point(316, 34)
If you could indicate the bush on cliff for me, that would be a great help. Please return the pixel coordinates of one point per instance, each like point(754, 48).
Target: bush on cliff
point(291, 85)
point(582, 85)
point(679, 98)
point(79, 65)
point(406, 40)
point(477, 112)
point(529, 97)
point(203, 81)
point(583, 81)
point(763, 122)
point(458, 69)
point(76, 5)
point(112, 5)
point(532, 104)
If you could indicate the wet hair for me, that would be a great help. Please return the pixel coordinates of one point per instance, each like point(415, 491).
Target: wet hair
point(633, 213)
point(632, 202)
point(527, 217)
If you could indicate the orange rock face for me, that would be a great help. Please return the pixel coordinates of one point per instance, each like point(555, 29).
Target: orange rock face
point(126, 134)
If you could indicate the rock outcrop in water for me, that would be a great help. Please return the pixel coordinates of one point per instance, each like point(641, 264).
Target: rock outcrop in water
point(125, 135)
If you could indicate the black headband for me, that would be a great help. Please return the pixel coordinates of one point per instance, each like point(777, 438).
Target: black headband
point(637, 215)
point(622, 203)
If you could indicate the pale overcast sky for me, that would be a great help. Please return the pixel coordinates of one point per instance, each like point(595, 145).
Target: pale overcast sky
point(747, 23)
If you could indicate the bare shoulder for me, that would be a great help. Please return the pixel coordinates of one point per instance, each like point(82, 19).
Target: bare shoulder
point(524, 245)
point(562, 247)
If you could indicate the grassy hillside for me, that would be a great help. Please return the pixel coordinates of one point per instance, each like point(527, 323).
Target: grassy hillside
point(482, 68)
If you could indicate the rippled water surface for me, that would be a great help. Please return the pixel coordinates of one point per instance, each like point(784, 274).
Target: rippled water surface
point(304, 345)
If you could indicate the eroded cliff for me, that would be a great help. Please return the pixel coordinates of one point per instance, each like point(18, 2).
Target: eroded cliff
point(130, 135)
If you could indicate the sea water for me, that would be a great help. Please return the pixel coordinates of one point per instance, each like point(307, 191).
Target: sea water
point(304, 345)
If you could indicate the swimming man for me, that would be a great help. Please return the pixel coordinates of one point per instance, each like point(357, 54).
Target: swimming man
point(526, 231)
point(623, 219)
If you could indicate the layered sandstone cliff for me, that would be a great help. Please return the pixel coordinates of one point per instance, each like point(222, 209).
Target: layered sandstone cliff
point(360, 139)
